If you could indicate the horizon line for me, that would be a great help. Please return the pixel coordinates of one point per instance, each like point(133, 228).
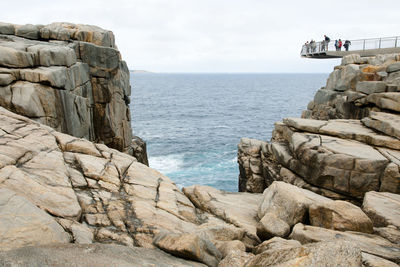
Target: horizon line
point(221, 72)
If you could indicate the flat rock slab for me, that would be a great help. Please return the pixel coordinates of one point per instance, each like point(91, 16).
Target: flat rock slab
point(369, 260)
point(383, 208)
point(307, 125)
point(370, 87)
point(311, 255)
point(239, 209)
point(384, 122)
point(24, 224)
point(368, 243)
point(102, 255)
point(389, 100)
point(346, 129)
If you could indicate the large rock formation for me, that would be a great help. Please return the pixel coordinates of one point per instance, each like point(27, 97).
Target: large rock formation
point(56, 188)
point(346, 144)
point(69, 77)
point(64, 189)
point(61, 193)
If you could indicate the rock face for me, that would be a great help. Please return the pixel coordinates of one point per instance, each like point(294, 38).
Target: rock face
point(102, 255)
point(382, 208)
point(340, 215)
point(89, 189)
point(346, 144)
point(65, 189)
point(320, 254)
point(368, 243)
point(69, 77)
point(189, 246)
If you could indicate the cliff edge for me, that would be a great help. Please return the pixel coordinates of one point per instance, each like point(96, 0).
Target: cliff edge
point(347, 142)
point(70, 77)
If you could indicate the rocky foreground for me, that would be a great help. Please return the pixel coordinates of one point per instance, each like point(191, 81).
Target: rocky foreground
point(67, 201)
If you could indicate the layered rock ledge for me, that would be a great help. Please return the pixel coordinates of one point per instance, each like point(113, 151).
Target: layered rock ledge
point(347, 142)
point(69, 77)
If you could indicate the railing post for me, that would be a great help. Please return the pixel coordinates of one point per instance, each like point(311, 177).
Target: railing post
point(364, 45)
point(380, 41)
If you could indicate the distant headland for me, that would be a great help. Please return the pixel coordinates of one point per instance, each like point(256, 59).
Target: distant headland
point(140, 71)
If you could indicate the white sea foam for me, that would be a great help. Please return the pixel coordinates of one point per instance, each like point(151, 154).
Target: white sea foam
point(167, 164)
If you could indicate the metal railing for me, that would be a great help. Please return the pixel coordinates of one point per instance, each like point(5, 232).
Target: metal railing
point(355, 45)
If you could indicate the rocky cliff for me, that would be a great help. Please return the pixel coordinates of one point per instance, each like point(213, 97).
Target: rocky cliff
point(56, 189)
point(347, 142)
point(67, 201)
point(70, 77)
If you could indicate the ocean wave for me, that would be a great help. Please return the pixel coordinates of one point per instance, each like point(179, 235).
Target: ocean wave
point(167, 164)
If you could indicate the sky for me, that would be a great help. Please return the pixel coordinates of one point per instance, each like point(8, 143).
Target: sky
point(217, 35)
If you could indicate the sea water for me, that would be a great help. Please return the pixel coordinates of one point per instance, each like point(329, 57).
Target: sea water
point(192, 123)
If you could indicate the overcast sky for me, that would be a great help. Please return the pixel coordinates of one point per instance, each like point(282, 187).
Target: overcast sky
point(217, 35)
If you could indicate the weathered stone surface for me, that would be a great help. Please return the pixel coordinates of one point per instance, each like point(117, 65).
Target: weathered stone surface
point(28, 31)
point(347, 129)
point(371, 87)
point(86, 33)
point(369, 260)
point(306, 125)
point(389, 100)
point(239, 209)
point(351, 59)
point(7, 28)
point(276, 243)
point(102, 255)
point(235, 258)
point(340, 215)
point(384, 122)
point(288, 202)
point(336, 164)
point(343, 79)
point(117, 198)
point(270, 225)
point(24, 224)
point(251, 173)
point(53, 55)
point(368, 243)
point(189, 246)
point(318, 254)
point(393, 67)
point(68, 78)
point(226, 247)
point(383, 208)
point(13, 58)
point(390, 232)
point(6, 79)
point(81, 233)
point(139, 150)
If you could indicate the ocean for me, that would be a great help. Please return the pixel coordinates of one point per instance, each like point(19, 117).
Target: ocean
point(192, 123)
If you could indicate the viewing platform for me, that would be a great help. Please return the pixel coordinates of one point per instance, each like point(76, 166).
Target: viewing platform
point(363, 47)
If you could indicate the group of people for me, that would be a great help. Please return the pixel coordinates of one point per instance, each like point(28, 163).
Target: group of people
point(339, 44)
point(311, 47)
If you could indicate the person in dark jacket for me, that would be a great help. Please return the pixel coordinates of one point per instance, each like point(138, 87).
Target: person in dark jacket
point(326, 42)
point(347, 44)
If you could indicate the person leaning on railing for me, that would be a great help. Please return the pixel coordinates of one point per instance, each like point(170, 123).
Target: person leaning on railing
point(326, 42)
